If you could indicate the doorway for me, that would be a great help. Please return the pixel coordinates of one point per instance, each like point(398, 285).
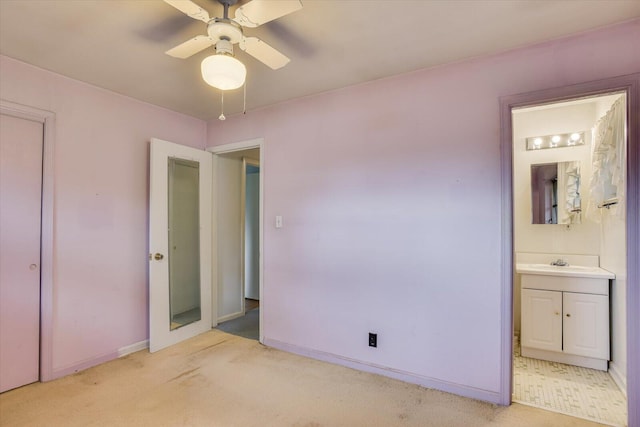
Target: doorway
point(630, 85)
point(561, 213)
point(238, 173)
point(199, 195)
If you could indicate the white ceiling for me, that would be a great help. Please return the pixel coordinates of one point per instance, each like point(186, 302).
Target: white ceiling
point(119, 45)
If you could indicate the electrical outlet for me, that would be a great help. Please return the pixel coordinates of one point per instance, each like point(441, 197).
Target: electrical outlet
point(373, 340)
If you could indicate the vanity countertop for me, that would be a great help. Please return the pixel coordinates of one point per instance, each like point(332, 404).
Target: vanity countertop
point(564, 271)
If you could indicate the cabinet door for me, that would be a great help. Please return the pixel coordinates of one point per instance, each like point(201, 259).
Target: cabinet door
point(542, 319)
point(586, 325)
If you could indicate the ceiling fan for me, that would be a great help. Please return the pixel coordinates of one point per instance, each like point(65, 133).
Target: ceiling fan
point(222, 70)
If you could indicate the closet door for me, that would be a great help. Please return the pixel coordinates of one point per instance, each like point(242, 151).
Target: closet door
point(21, 143)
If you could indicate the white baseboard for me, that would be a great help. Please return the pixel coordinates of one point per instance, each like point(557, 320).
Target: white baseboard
point(433, 383)
point(123, 351)
point(568, 359)
point(230, 317)
point(618, 377)
point(81, 365)
point(97, 360)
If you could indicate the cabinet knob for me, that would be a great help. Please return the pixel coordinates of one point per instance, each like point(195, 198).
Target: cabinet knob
point(557, 313)
point(568, 315)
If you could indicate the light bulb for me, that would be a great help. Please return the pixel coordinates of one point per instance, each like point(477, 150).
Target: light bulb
point(555, 138)
point(575, 136)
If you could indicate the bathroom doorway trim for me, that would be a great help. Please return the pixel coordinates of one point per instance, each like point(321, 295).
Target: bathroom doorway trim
point(631, 85)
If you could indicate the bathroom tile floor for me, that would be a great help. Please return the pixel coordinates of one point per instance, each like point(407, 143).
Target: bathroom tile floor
point(571, 390)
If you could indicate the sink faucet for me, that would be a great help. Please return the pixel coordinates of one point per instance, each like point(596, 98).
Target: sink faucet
point(560, 262)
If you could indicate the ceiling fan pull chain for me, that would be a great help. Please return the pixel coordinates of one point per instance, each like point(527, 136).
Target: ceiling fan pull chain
point(222, 117)
point(244, 99)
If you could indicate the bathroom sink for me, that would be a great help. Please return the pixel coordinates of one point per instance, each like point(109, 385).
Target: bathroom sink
point(565, 271)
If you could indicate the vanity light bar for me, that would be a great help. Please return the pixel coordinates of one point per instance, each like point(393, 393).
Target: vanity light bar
point(555, 141)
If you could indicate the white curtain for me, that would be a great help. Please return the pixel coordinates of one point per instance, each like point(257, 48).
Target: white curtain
point(608, 162)
point(569, 203)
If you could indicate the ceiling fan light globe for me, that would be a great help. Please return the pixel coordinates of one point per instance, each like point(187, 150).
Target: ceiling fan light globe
point(223, 72)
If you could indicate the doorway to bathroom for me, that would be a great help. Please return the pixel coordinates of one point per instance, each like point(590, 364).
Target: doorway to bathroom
point(569, 178)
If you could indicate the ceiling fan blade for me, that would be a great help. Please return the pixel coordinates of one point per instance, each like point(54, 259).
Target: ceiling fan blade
point(190, 47)
point(258, 12)
point(263, 52)
point(190, 9)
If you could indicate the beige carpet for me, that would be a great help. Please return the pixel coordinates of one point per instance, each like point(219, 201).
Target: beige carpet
point(218, 379)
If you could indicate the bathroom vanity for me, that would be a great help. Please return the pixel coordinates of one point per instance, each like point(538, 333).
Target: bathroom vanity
point(565, 314)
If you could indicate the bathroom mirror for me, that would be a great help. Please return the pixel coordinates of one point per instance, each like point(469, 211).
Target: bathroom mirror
point(555, 193)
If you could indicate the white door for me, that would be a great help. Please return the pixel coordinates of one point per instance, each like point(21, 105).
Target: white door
point(586, 325)
point(541, 319)
point(180, 258)
point(20, 205)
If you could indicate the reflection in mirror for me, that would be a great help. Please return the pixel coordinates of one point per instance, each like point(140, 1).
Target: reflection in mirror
point(184, 243)
point(555, 193)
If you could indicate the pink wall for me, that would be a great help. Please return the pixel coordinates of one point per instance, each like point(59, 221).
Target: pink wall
point(390, 193)
point(101, 207)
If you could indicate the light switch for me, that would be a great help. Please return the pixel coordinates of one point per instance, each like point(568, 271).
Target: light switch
point(278, 221)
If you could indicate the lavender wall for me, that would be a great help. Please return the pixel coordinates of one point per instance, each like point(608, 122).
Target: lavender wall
point(390, 193)
point(101, 208)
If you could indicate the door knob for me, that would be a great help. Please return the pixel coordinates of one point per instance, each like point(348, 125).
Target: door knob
point(33, 266)
point(158, 256)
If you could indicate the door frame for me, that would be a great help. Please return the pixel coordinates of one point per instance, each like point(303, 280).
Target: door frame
point(225, 149)
point(631, 85)
point(243, 223)
point(48, 120)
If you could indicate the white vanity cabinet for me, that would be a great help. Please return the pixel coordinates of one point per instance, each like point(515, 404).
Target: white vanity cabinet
point(566, 319)
point(541, 319)
point(585, 325)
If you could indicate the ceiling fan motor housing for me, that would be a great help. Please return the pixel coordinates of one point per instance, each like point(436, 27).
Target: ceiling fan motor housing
point(224, 29)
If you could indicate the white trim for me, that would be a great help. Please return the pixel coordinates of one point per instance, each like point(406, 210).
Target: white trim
point(243, 217)
point(81, 365)
point(237, 146)
point(506, 255)
point(231, 316)
point(243, 214)
point(428, 382)
point(48, 119)
point(214, 241)
point(223, 149)
point(132, 348)
point(618, 377)
point(567, 359)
